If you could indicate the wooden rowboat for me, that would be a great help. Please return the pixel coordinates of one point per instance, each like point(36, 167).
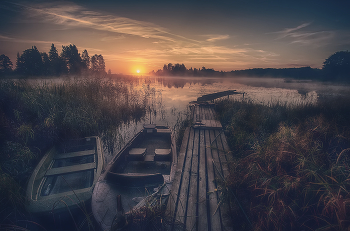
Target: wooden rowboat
point(65, 176)
point(142, 170)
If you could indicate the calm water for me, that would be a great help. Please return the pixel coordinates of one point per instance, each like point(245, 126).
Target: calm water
point(170, 97)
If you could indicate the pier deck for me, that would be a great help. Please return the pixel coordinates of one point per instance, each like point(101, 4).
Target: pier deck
point(196, 197)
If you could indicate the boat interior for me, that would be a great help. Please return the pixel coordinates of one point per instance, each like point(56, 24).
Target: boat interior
point(71, 168)
point(146, 161)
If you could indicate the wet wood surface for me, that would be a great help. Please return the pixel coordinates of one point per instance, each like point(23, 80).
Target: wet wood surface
point(196, 198)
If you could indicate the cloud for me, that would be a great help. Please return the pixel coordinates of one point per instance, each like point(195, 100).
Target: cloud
point(72, 15)
point(213, 38)
point(298, 36)
point(112, 38)
point(47, 43)
point(30, 41)
point(166, 46)
point(2, 37)
point(290, 31)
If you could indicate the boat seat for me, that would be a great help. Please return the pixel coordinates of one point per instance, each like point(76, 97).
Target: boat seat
point(162, 154)
point(69, 169)
point(135, 179)
point(74, 154)
point(137, 153)
point(149, 158)
point(163, 130)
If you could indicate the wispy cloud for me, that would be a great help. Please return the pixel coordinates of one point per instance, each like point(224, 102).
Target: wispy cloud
point(165, 45)
point(112, 38)
point(213, 38)
point(290, 31)
point(297, 35)
point(30, 41)
point(71, 15)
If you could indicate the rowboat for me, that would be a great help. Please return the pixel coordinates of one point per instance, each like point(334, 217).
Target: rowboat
point(142, 170)
point(65, 176)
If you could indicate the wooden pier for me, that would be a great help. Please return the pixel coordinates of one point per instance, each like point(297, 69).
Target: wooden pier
point(211, 97)
point(196, 198)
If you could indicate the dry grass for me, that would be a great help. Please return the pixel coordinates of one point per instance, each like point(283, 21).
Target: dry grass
point(34, 116)
point(291, 173)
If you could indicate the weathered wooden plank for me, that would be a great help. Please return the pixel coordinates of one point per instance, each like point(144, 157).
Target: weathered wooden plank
point(202, 186)
point(226, 209)
point(213, 215)
point(172, 203)
point(192, 116)
point(216, 95)
point(192, 216)
point(69, 169)
point(217, 170)
point(222, 153)
point(198, 113)
point(205, 113)
point(184, 186)
point(212, 113)
point(225, 146)
point(74, 154)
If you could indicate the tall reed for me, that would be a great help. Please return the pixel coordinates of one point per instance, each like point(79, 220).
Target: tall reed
point(35, 115)
point(291, 164)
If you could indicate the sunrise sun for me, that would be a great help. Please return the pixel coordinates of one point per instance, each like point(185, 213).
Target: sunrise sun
point(138, 71)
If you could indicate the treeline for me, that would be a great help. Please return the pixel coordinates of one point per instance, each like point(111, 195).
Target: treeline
point(335, 68)
point(32, 62)
point(181, 70)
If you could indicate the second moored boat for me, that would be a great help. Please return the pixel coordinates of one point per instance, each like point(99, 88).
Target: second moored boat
point(143, 169)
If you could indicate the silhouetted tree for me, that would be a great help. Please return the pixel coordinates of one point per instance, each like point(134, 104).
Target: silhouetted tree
point(30, 62)
point(85, 60)
point(46, 64)
point(5, 65)
point(170, 67)
point(57, 65)
point(98, 64)
point(337, 66)
point(179, 69)
point(94, 64)
point(101, 64)
point(72, 59)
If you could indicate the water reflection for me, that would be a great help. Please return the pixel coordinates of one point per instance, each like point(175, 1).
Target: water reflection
point(168, 97)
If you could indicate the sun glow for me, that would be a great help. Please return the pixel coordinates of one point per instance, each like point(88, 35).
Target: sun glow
point(138, 71)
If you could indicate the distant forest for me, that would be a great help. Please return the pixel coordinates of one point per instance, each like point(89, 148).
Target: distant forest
point(335, 68)
point(69, 62)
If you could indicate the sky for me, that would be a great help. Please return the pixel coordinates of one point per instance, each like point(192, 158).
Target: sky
point(144, 35)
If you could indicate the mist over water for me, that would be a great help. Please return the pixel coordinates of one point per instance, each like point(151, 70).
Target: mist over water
point(169, 97)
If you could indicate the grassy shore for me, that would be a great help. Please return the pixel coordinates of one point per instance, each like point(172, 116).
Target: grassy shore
point(290, 168)
point(33, 117)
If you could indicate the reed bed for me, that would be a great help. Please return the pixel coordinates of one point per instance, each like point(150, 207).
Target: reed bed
point(34, 116)
point(290, 168)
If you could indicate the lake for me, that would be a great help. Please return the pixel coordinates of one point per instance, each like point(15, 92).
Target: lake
point(170, 97)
